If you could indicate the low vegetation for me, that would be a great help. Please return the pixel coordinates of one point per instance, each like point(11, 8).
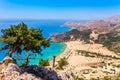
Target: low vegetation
point(74, 34)
point(62, 62)
point(94, 54)
point(94, 79)
point(111, 40)
point(77, 78)
point(82, 35)
point(104, 78)
point(7, 61)
point(118, 77)
point(43, 62)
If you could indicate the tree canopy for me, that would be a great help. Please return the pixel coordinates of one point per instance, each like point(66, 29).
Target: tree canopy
point(19, 37)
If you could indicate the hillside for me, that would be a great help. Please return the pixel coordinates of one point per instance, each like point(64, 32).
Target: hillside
point(98, 25)
point(110, 40)
point(106, 32)
point(74, 34)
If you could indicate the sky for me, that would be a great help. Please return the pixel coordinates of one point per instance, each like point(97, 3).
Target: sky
point(58, 9)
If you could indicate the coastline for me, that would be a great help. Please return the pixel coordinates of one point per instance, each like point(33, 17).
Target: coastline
point(78, 64)
point(61, 55)
point(72, 46)
point(61, 51)
point(58, 56)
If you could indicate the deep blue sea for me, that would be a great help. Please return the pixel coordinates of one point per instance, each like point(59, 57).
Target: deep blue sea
point(48, 27)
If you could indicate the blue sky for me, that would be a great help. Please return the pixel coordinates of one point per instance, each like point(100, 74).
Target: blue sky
point(58, 9)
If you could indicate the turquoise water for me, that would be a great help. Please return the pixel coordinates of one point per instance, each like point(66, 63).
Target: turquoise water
point(48, 27)
point(55, 49)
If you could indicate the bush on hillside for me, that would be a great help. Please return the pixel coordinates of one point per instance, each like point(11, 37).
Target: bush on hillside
point(7, 61)
point(77, 78)
point(62, 62)
point(43, 62)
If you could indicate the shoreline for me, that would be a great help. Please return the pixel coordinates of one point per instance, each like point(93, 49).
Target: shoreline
point(79, 64)
point(59, 53)
point(71, 46)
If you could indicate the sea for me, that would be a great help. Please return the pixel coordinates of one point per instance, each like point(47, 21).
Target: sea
point(48, 27)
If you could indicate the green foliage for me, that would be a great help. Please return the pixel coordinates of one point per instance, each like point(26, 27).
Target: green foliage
point(110, 40)
point(107, 43)
point(43, 62)
point(7, 61)
point(86, 35)
point(19, 37)
point(94, 79)
point(74, 34)
point(118, 66)
point(118, 77)
point(106, 78)
point(95, 54)
point(62, 62)
point(77, 78)
point(83, 35)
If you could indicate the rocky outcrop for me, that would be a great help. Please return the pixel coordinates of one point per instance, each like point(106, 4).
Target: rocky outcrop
point(65, 75)
point(13, 72)
point(93, 37)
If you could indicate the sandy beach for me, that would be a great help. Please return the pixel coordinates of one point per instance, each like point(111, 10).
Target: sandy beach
point(79, 64)
point(72, 46)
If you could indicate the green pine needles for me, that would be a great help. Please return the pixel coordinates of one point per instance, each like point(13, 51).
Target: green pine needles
point(17, 36)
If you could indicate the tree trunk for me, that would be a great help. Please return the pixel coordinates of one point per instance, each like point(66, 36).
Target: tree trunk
point(10, 53)
point(12, 50)
point(54, 61)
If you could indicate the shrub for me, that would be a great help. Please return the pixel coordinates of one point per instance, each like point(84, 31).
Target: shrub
point(62, 62)
point(94, 79)
point(110, 40)
point(118, 77)
point(77, 78)
point(107, 43)
point(94, 66)
point(7, 61)
point(43, 62)
point(106, 78)
point(118, 65)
